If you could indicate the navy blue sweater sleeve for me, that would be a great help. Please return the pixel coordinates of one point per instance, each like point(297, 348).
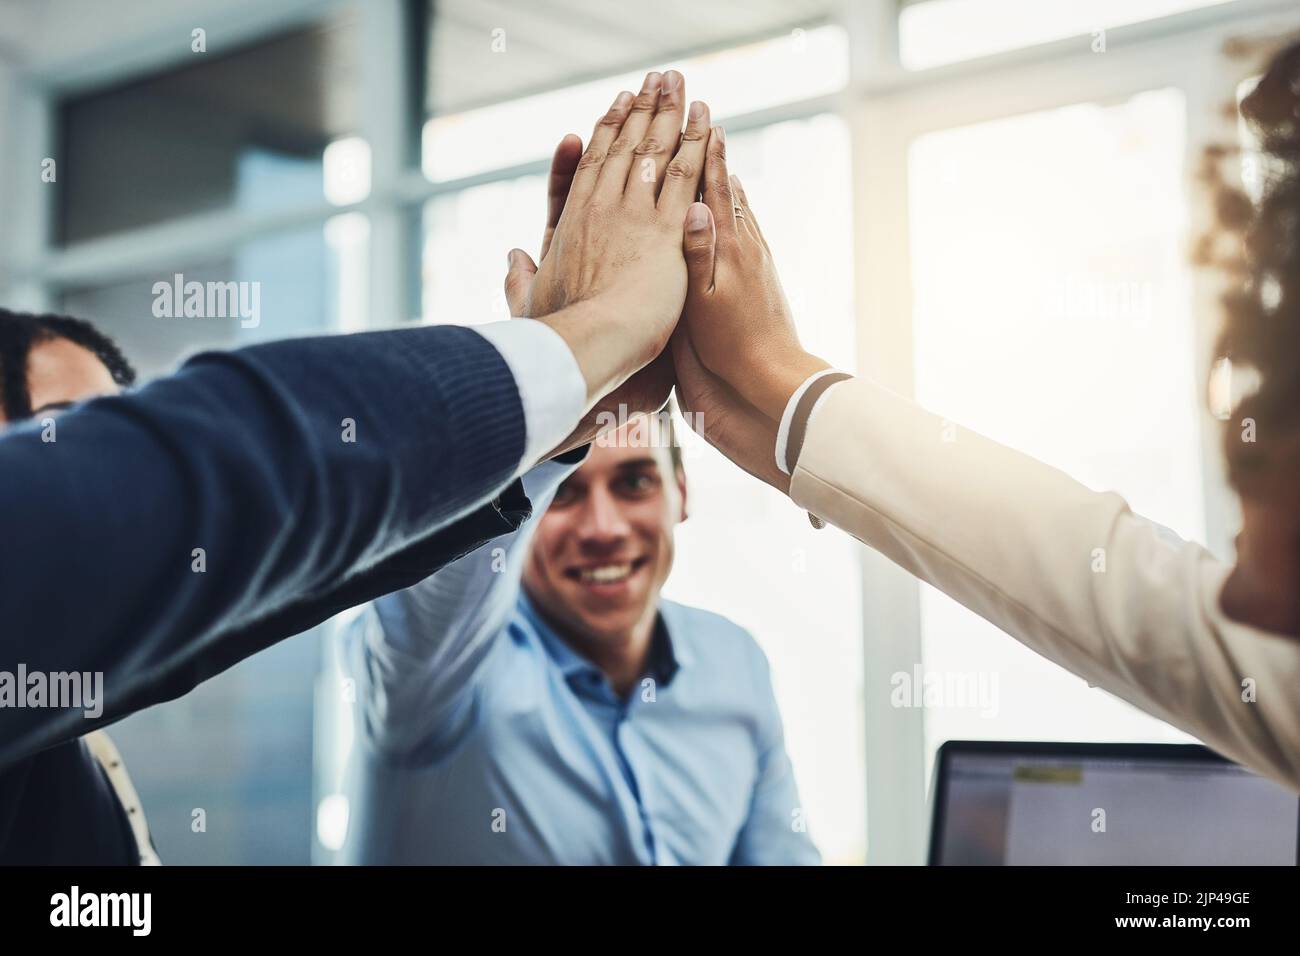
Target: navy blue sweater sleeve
point(312, 474)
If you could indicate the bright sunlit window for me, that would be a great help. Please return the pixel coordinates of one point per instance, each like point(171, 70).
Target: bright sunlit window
point(1052, 313)
point(798, 66)
point(935, 32)
point(346, 170)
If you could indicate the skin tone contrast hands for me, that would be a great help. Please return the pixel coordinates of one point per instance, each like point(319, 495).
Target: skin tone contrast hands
point(612, 278)
point(624, 237)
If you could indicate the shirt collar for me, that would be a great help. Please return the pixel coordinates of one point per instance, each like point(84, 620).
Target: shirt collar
point(664, 661)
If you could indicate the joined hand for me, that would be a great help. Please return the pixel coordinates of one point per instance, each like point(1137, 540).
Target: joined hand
point(612, 278)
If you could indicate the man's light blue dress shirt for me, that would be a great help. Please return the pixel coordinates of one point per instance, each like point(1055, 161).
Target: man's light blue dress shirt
point(483, 738)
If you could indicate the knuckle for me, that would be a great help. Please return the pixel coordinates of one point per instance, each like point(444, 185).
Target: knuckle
point(649, 147)
point(613, 118)
point(594, 156)
point(645, 103)
point(695, 134)
point(620, 146)
point(681, 169)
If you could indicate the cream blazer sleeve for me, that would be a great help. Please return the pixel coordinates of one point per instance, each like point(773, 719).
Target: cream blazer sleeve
point(1019, 542)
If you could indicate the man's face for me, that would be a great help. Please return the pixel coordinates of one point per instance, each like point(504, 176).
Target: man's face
point(61, 373)
point(604, 548)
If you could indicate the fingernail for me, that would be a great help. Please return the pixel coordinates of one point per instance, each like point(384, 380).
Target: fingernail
point(721, 133)
point(652, 81)
point(621, 100)
point(735, 181)
point(510, 259)
point(697, 110)
point(671, 80)
point(697, 217)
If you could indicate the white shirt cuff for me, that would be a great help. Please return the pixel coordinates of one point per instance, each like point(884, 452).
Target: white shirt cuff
point(787, 417)
point(551, 387)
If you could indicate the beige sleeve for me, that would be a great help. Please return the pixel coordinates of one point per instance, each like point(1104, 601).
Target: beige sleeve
point(1022, 544)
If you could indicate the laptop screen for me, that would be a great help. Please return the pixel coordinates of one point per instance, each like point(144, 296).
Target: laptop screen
point(1116, 805)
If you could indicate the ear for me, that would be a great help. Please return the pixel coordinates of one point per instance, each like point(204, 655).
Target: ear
point(683, 513)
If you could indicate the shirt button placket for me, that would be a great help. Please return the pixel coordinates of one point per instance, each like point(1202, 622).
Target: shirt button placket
point(627, 746)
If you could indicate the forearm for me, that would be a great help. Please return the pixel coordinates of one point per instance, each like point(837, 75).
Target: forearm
point(748, 436)
point(422, 647)
point(1070, 572)
point(159, 521)
point(564, 364)
point(476, 592)
point(599, 347)
point(773, 382)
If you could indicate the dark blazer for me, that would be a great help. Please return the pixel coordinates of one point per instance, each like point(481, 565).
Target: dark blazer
point(242, 454)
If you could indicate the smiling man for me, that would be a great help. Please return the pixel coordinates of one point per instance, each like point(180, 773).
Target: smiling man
point(539, 702)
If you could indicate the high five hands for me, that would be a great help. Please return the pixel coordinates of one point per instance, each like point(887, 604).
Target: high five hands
point(612, 246)
point(736, 355)
point(627, 251)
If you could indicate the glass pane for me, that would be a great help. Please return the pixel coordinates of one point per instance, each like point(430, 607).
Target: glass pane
point(736, 81)
point(934, 32)
point(246, 129)
point(1051, 311)
point(481, 53)
point(743, 543)
point(309, 281)
point(466, 237)
point(240, 746)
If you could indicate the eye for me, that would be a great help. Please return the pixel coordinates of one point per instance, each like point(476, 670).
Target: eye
point(565, 495)
point(637, 485)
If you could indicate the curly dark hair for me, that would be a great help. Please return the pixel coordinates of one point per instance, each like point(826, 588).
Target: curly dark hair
point(1257, 246)
point(20, 331)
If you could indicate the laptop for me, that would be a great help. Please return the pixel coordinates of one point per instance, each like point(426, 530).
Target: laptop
point(1001, 803)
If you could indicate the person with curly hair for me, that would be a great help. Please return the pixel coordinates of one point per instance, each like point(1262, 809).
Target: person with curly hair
point(1256, 247)
point(50, 362)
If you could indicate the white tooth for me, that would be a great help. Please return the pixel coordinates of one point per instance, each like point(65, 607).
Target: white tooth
point(607, 573)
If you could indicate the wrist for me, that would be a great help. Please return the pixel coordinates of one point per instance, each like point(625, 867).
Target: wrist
point(599, 346)
point(577, 325)
point(776, 381)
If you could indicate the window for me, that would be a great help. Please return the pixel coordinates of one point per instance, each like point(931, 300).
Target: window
point(935, 32)
point(799, 66)
point(302, 282)
point(480, 54)
point(1057, 320)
